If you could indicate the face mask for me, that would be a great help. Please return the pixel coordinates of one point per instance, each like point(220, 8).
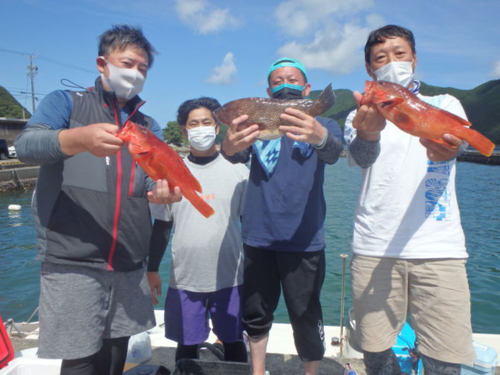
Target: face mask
point(125, 83)
point(202, 137)
point(400, 72)
point(287, 91)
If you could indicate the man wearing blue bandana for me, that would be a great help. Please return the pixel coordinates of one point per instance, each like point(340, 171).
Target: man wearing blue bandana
point(283, 218)
point(408, 243)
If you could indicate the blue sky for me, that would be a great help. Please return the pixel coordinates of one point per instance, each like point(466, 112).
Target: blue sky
point(223, 48)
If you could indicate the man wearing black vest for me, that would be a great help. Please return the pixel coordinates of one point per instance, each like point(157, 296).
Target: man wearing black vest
point(91, 211)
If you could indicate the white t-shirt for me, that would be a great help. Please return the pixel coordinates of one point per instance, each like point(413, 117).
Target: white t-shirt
point(408, 205)
point(207, 254)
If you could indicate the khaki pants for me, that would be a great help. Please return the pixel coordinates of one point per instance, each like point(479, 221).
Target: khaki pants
point(434, 292)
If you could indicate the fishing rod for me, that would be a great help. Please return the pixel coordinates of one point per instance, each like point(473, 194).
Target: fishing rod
point(343, 256)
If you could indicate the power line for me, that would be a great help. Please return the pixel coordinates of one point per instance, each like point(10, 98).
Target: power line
point(52, 61)
point(66, 65)
point(33, 70)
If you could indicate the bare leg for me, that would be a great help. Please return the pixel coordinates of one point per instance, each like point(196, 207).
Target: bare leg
point(258, 352)
point(311, 368)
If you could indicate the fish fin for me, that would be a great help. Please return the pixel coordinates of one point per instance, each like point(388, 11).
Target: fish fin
point(198, 203)
point(196, 185)
point(458, 119)
point(477, 140)
point(324, 101)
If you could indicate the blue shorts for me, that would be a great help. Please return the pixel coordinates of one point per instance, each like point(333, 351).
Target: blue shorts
point(187, 314)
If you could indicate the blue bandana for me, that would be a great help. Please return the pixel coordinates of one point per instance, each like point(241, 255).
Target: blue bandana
point(268, 152)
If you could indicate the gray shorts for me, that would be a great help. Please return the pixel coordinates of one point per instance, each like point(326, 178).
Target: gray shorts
point(81, 306)
point(435, 292)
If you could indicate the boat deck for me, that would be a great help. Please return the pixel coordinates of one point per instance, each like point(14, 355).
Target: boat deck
point(282, 357)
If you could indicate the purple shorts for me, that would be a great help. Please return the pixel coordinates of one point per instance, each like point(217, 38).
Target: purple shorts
point(187, 314)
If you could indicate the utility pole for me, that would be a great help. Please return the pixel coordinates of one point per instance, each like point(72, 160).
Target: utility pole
point(32, 70)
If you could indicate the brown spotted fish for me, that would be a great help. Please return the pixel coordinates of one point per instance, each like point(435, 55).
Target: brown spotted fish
point(266, 112)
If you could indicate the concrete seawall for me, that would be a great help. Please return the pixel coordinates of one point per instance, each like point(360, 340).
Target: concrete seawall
point(15, 175)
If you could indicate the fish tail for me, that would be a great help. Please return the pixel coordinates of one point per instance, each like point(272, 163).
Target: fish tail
point(324, 101)
point(478, 141)
point(198, 203)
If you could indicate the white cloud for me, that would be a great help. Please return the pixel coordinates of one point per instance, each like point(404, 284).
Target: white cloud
point(335, 48)
point(327, 35)
point(224, 74)
point(298, 17)
point(495, 73)
point(204, 18)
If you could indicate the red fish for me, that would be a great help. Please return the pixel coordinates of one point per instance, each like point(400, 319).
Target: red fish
point(401, 107)
point(160, 161)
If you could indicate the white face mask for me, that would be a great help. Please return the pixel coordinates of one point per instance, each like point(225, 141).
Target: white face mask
point(201, 137)
point(125, 83)
point(400, 72)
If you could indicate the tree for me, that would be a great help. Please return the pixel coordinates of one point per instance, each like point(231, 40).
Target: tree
point(172, 134)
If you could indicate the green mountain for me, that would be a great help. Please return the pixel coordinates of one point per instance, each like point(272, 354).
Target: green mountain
point(481, 104)
point(10, 107)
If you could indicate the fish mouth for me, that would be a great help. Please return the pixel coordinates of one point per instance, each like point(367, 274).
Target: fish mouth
point(126, 131)
point(387, 103)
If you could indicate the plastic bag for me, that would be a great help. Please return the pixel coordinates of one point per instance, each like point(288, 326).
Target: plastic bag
point(139, 348)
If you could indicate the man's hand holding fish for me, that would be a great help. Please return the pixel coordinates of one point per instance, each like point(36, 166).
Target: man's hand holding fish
point(368, 122)
point(303, 127)
point(441, 152)
point(239, 137)
point(161, 193)
point(99, 139)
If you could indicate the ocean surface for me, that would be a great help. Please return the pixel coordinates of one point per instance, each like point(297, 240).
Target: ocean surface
point(478, 190)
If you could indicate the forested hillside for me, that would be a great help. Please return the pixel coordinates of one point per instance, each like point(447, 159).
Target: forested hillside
point(10, 107)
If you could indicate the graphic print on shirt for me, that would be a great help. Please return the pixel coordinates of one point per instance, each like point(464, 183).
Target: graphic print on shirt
point(208, 196)
point(437, 194)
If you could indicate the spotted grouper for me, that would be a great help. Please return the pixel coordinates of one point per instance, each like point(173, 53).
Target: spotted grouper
point(266, 112)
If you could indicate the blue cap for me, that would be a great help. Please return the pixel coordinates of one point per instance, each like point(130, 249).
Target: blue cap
point(285, 61)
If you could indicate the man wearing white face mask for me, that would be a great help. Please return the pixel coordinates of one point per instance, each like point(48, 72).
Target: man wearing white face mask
point(92, 213)
point(206, 273)
point(408, 243)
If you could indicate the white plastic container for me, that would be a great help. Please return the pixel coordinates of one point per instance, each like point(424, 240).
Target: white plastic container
point(32, 366)
point(485, 362)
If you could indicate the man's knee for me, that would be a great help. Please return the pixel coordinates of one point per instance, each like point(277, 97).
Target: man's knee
point(381, 363)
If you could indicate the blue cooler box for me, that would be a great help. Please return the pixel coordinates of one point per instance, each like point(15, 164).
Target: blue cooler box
point(406, 342)
point(485, 362)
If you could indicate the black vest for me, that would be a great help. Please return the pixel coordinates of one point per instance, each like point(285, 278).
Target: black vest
point(93, 210)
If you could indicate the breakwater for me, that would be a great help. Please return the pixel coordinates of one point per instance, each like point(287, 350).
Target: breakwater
point(15, 175)
point(474, 156)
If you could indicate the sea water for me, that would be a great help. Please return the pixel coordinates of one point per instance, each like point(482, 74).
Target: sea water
point(478, 193)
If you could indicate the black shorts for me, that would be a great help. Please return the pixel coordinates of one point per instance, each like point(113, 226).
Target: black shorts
point(301, 276)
